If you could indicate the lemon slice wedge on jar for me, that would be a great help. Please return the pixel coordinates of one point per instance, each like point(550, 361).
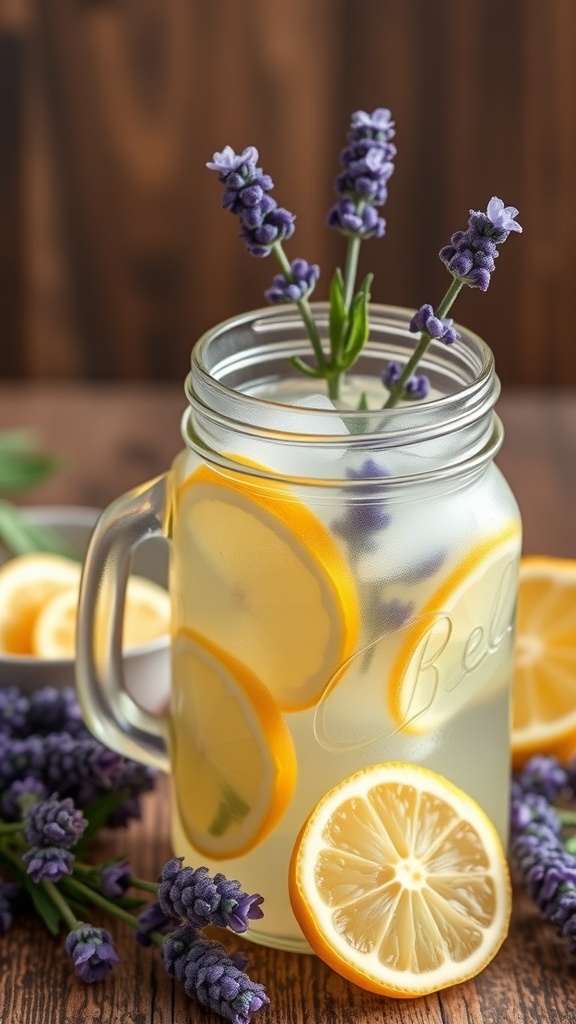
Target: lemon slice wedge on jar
point(271, 584)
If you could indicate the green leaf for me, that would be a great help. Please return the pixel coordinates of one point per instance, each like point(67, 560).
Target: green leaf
point(20, 470)
point(21, 537)
point(308, 370)
point(17, 441)
point(43, 905)
point(45, 539)
point(362, 402)
point(232, 808)
point(359, 323)
point(338, 318)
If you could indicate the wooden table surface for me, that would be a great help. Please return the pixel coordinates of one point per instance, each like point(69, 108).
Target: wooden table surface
point(113, 437)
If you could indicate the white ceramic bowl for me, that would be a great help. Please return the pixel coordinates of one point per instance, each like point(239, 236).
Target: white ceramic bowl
point(146, 668)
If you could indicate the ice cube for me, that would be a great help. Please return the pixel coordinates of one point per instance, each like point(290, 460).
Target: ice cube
point(298, 454)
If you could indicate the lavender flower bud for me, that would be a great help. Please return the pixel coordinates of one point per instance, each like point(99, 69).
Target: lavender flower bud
point(194, 896)
point(92, 952)
point(153, 919)
point(301, 283)
point(115, 878)
point(393, 614)
point(543, 775)
point(532, 811)
point(417, 387)
point(378, 126)
point(19, 795)
point(470, 256)
point(352, 219)
point(228, 161)
point(212, 976)
point(48, 863)
point(425, 321)
point(391, 373)
point(262, 222)
point(13, 710)
point(363, 518)
point(63, 762)
point(367, 164)
point(54, 822)
point(53, 710)
point(497, 222)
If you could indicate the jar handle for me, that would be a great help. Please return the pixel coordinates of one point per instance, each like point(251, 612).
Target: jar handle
point(109, 711)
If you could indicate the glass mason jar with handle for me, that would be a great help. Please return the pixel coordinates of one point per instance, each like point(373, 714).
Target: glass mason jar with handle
point(343, 585)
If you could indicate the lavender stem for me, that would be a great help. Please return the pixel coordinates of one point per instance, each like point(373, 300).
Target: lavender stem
point(397, 390)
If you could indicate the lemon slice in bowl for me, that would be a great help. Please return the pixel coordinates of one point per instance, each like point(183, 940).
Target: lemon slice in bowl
point(271, 582)
point(233, 761)
point(146, 617)
point(544, 719)
point(399, 881)
point(27, 582)
point(441, 665)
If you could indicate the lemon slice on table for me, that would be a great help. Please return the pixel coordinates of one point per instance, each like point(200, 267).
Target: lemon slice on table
point(27, 582)
point(233, 761)
point(400, 883)
point(440, 666)
point(272, 584)
point(146, 617)
point(544, 718)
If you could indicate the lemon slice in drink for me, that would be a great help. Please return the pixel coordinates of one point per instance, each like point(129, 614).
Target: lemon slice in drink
point(146, 617)
point(399, 882)
point(545, 675)
point(439, 667)
point(233, 761)
point(27, 582)
point(272, 584)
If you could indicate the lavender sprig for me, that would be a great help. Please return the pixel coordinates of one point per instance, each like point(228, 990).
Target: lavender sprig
point(198, 898)
point(44, 840)
point(214, 977)
point(543, 796)
point(470, 258)
point(362, 187)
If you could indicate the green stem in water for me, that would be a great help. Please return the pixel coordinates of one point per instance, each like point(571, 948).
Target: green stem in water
point(303, 306)
point(333, 382)
point(397, 389)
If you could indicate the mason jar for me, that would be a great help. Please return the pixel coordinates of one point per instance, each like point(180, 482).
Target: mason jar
point(343, 583)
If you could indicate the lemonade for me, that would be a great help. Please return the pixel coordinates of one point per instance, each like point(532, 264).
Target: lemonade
point(343, 583)
point(377, 615)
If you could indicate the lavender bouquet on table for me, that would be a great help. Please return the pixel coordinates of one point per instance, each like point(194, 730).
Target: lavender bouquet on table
point(362, 188)
point(58, 787)
point(543, 839)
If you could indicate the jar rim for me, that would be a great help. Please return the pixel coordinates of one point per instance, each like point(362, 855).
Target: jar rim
point(478, 395)
point(228, 358)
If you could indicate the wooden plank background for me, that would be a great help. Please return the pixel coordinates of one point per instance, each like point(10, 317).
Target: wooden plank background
point(114, 254)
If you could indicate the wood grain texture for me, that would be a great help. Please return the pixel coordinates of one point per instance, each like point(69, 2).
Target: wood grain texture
point(113, 437)
point(11, 231)
point(531, 981)
point(127, 255)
